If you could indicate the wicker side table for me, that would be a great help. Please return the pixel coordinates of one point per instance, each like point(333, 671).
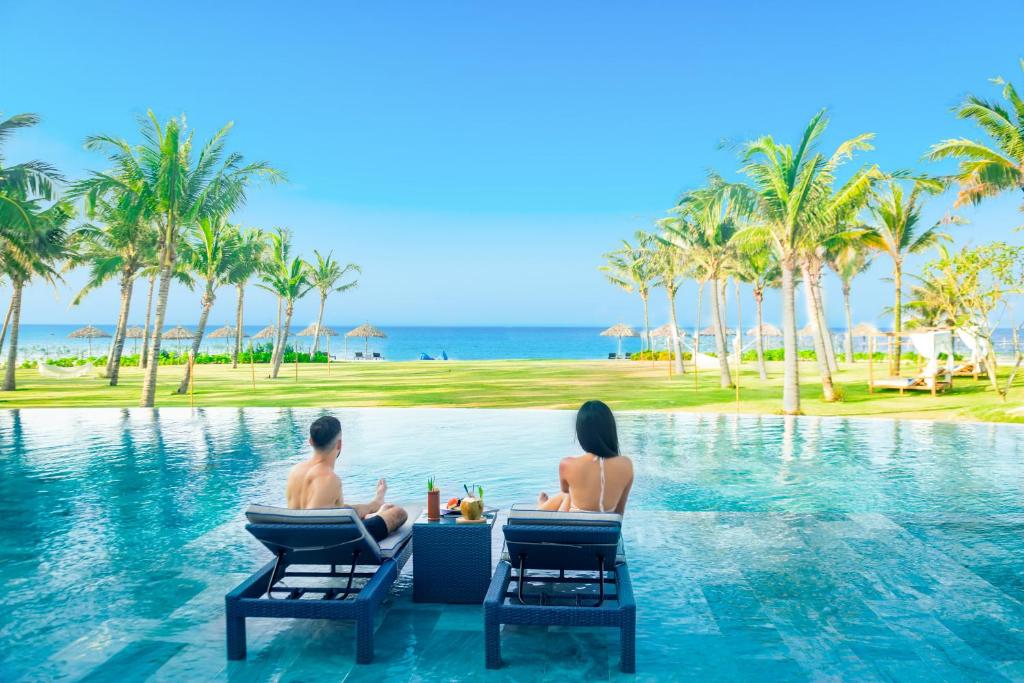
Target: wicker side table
point(451, 562)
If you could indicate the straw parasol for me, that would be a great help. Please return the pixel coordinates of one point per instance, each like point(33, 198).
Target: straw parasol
point(806, 331)
point(620, 330)
point(366, 330)
point(178, 333)
point(226, 332)
point(311, 330)
point(666, 331)
point(136, 332)
point(709, 331)
point(865, 330)
point(268, 332)
point(89, 332)
point(767, 330)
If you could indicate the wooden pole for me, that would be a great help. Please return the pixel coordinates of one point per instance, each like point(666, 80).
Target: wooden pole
point(295, 350)
point(739, 341)
point(871, 363)
point(252, 365)
point(328, 355)
point(191, 380)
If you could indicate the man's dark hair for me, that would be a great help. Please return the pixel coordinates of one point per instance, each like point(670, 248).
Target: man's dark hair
point(324, 431)
point(595, 430)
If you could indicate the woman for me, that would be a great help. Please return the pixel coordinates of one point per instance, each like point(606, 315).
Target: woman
point(600, 479)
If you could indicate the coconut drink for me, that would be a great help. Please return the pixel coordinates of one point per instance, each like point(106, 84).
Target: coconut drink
point(473, 503)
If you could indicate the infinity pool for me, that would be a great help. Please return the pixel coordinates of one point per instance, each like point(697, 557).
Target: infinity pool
point(760, 547)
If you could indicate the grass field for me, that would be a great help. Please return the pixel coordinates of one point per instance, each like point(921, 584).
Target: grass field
point(513, 384)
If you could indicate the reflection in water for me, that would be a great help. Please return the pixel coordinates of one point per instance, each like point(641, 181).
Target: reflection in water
point(105, 510)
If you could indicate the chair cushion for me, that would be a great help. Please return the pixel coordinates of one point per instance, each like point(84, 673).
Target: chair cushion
point(270, 514)
point(523, 513)
point(396, 540)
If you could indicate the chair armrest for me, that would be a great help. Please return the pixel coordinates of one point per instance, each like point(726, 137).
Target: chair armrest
point(499, 584)
point(624, 586)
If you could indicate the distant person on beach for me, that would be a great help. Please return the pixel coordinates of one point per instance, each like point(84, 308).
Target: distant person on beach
point(601, 478)
point(313, 484)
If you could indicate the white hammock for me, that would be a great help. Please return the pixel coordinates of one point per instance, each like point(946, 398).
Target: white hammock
point(702, 360)
point(57, 372)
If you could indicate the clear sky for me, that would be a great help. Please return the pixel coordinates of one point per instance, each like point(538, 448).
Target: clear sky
point(477, 158)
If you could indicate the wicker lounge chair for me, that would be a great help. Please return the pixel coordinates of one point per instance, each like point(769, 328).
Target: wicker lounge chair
point(335, 538)
point(562, 552)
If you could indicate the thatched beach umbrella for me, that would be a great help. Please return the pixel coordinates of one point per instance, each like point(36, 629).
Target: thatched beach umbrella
point(135, 332)
point(89, 332)
point(226, 332)
point(324, 332)
point(268, 332)
point(709, 331)
point(177, 333)
point(766, 330)
point(806, 331)
point(366, 330)
point(865, 330)
point(666, 331)
point(619, 331)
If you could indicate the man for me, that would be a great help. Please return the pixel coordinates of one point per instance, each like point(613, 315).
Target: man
point(313, 484)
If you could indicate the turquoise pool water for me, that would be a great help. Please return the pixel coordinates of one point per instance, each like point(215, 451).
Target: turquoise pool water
point(764, 547)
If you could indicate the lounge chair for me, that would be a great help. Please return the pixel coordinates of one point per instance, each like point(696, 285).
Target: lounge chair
point(377, 356)
point(970, 368)
point(613, 356)
point(932, 378)
point(541, 547)
point(360, 356)
point(329, 538)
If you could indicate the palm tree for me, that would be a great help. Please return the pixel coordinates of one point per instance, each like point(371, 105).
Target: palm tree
point(847, 261)
point(709, 223)
point(324, 276)
point(631, 269)
point(934, 300)
point(181, 187)
point(896, 217)
point(755, 264)
point(988, 170)
point(786, 203)
point(668, 261)
point(44, 243)
point(247, 260)
point(288, 279)
point(122, 248)
point(208, 252)
point(21, 185)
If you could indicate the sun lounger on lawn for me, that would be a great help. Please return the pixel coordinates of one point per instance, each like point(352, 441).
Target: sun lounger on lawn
point(337, 543)
point(377, 356)
point(932, 378)
point(359, 355)
point(575, 558)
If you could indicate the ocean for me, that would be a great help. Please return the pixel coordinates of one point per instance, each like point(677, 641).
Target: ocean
point(407, 343)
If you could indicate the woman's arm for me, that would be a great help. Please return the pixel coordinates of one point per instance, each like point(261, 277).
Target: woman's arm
point(621, 507)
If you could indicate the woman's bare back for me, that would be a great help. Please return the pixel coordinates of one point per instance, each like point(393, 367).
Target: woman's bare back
point(581, 475)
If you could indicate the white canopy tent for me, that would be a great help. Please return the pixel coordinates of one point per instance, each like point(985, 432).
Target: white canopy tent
point(936, 348)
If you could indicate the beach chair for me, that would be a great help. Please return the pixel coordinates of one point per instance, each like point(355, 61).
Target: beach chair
point(561, 569)
point(932, 378)
point(360, 356)
point(336, 546)
point(377, 356)
point(613, 356)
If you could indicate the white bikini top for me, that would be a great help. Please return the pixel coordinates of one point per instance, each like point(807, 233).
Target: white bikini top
point(600, 498)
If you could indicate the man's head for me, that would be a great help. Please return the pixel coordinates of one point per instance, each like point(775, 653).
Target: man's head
point(325, 435)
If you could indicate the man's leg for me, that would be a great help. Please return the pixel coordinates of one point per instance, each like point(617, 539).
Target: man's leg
point(393, 516)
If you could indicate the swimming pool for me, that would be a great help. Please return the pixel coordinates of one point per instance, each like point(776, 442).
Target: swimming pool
point(759, 546)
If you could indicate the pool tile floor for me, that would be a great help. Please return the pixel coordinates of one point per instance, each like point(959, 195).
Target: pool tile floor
point(864, 597)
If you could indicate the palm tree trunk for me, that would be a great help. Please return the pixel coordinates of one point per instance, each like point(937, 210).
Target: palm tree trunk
point(7, 322)
point(238, 326)
point(277, 338)
point(319, 322)
point(286, 331)
point(12, 349)
point(897, 316)
point(144, 360)
point(647, 328)
point(848, 341)
point(117, 348)
point(826, 334)
point(676, 348)
point(197, 339)
point(791, 368)
point(716, 321)
point(819, 343)
point(759, 337)
point(149, 379)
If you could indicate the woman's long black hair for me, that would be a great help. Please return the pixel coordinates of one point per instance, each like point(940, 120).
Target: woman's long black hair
point(595, 430)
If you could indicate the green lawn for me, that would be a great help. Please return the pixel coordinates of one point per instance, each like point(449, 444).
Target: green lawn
point(513, 384)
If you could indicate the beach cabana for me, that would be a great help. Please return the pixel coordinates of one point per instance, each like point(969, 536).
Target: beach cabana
point(978, 347)
point(366, 330)
point(934, 346)
point(89, 333)
point(619, 331)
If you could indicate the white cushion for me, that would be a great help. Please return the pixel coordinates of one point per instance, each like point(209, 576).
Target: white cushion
point(271, 514)
point(396, 539)
point(524, 513)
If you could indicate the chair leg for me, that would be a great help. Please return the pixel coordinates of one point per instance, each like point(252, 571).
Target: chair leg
point(236, 637)
point(364, 638)
point(492, 638)
point(627, 639)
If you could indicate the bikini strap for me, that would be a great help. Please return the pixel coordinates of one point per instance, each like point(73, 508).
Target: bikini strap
point(600, 500)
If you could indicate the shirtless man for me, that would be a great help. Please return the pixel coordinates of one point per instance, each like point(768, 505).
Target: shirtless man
point(313, 484)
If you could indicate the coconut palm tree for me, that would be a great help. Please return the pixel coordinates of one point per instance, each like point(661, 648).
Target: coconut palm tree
point(121, 248)
point(21, 187)
point(182, 188)
point(710, 222)
point(847, 261)
point(35, 251)
point(324, 276)
point(631, 269)
point(755, 263)
point(988, 170)
point(246, 262)
point(288, 279)
point(208, 253)
point(896, 215)
point(668, 260)
point(785, 204)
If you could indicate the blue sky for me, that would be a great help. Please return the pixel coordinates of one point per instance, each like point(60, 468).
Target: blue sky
point(476, 159)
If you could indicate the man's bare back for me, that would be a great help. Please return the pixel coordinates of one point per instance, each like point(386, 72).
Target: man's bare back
point(313, 484)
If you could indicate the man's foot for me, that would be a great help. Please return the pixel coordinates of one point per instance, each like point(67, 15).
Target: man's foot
point(382, 489)
point(542, 498)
